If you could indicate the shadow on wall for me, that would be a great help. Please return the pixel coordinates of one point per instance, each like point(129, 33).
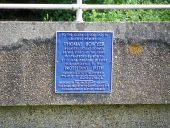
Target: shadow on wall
point(28, 66)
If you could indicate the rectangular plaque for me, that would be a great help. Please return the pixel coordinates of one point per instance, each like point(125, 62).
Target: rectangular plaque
point(83, 62)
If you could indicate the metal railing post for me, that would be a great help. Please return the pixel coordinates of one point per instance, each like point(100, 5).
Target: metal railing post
point(79, 12)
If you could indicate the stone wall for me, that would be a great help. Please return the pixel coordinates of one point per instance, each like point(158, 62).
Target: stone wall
point(140, 75)
point(93, 116)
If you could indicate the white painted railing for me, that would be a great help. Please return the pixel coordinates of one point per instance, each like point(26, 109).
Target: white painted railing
point(79, 7)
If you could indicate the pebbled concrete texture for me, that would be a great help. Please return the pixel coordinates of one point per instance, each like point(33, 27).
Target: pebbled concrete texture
point(93, 116)
point(141, 63)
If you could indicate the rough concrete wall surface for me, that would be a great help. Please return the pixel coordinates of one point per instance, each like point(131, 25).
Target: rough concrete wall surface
point(140, 75)
point(93, 116)
point(141, 63)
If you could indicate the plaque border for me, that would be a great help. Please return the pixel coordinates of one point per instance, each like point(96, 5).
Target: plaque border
point(55, 82)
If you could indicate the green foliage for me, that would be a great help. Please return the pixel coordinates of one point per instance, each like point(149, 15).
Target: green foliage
point(59, 15)
point(127, 15)
point(111, 15)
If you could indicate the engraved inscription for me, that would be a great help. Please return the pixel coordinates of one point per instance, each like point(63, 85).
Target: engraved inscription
point(83, 61)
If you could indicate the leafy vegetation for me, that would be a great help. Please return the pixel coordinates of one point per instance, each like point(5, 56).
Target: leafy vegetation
point(90, 15)
point(111, 15)
point(59, 15)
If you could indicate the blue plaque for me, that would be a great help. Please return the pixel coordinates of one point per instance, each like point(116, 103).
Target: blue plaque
point(83, 62)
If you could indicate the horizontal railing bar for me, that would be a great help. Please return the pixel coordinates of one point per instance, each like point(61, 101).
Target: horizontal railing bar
point(125, 6)
point(84, 6)
point(39, 6)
